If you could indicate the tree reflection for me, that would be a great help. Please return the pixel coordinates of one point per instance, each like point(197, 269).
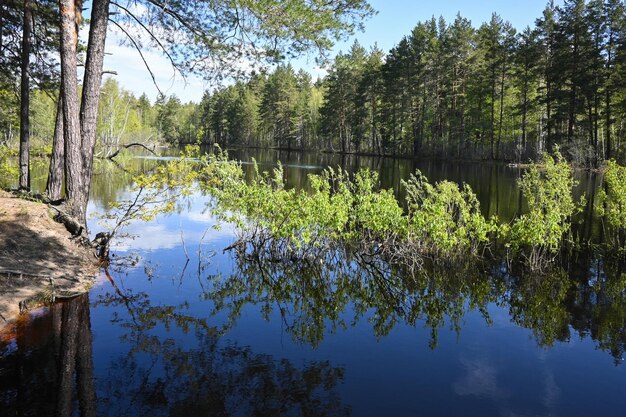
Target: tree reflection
point(322, 294)
point(172, 375)
point(217, 380)
point(537, 303)
point(317, 296)
point(589, 299)
point(598, 306)
point(47, 363)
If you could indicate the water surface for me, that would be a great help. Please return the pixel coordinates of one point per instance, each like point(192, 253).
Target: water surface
point(180, 327)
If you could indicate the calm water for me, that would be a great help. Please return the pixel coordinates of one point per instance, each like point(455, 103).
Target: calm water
point(180, 327)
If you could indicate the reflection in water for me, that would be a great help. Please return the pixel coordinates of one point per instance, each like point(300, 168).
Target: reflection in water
point(314, 296)
point(165, 379)
point(536, 302)
point(47, 363)
point(598, 306)
point(480, 380)
point(204, 377)
point(47, 366)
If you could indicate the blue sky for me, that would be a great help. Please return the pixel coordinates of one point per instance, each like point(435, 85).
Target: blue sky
point(395, 19)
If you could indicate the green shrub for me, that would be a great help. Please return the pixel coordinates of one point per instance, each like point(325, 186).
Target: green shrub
point(611, 203)
point(444, 218)
point(539, 233)
point(8, 167)
point(612, 198)
point(375, 212)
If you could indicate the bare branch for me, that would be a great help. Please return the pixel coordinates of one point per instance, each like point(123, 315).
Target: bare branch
point(114, 154)
point(140, 54)
point(154, 38)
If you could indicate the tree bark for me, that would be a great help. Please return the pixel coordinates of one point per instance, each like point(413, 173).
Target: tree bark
point(571, 118)
point(609, 122)
point(91, 86)
point(74, 185)
point(493, 113)
point(25, 99)
point(524, 111)
point(501, 116)
point(80, 127)
point(57, 162)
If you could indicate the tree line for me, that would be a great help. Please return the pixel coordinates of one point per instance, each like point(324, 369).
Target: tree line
point(449, 89)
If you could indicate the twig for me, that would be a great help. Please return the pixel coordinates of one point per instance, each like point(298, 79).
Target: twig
point(182, 238)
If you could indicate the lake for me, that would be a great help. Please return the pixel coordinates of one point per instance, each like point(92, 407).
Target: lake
point(176, 326)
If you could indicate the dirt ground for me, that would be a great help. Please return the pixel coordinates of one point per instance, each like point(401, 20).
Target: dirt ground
point(38, 260)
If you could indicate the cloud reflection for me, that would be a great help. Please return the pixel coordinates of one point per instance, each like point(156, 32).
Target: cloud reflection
point(168, 232)
point(480, 380)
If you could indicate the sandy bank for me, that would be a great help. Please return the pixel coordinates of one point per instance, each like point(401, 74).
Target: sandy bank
point(38, 260)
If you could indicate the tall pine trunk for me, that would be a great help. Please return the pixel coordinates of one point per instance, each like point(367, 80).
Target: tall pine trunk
point(524, 112)
point(74, 186)
point(501, 115)
point(493, 113)
point(607, 98)
point(57, 161)
point(91, 85)
point(80, 128)
point(609, 122)
point(25, 99)
point(571, 118)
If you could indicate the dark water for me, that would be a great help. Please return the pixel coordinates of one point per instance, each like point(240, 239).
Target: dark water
point(181, 328)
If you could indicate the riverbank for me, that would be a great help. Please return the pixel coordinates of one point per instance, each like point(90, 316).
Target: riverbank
point(39, 262)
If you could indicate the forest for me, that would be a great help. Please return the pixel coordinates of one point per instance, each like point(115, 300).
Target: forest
point(451, 90)
point(447, 89)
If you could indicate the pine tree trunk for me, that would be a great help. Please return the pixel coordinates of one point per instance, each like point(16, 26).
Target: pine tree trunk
point(74, 185)
point(524, 111)
point(91, 86)
point(548, 118)
point(609, 122)
point(57, 162)
point(25, 100)
point(493, 114)
point(501, 116)
point(571, 119)
point(80, 129)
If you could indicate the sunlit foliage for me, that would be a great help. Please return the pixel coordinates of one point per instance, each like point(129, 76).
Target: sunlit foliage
point(613, 197)
point(548, 192)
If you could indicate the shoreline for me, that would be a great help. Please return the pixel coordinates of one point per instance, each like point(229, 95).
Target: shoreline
point(39, 262)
